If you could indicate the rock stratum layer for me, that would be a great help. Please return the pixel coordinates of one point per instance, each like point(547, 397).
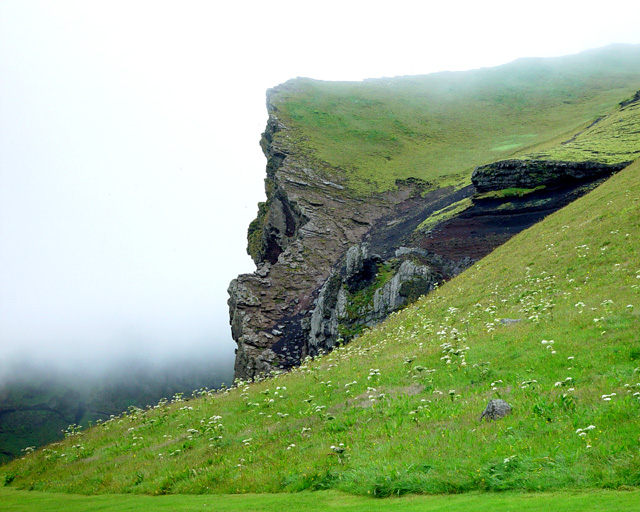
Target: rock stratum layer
point(529, 174)
point(332, 261)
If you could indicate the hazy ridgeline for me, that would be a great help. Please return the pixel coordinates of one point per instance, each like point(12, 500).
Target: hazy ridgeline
point(40, 399)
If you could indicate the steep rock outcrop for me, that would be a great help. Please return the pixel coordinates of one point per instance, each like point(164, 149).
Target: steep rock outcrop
point(299, 239)
point(528, 174)
point(306, 225)
point(365, 291)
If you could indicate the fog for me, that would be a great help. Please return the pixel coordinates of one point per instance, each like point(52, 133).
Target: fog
point(129, 158)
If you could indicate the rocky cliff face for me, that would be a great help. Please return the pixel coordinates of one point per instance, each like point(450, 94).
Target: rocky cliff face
point(529, 174)
point(330, 263)
point(301, 236)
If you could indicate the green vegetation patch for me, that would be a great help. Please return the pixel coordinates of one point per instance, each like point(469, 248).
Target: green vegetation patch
point(506, 193)
point(516, 141)
point(444, 214)
point(612, 139)
point(23, 501)
point(360, 302)
point(439, 127)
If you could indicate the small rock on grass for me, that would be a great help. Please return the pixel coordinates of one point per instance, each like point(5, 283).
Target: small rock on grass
point(496, 409)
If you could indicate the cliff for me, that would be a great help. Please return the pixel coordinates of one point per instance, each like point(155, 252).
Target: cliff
point(364, 213)
point(304, 229)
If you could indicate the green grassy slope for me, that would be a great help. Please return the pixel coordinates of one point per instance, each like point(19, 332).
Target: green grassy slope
point(613, 139)
point(439, 127)
point(397, 410)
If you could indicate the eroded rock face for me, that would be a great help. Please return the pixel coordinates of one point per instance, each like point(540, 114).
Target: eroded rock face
point(393, 294)
point(324, 326)
point(366, 290)
point(530, 174)
point(311, 228)
point(305, 228)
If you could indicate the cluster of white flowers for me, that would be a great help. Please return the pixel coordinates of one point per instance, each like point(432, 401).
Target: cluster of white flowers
point(214, 428)
point(632, 389)
point(583, 432)
point(582, 250)
point(341, 451)
point(451, 352)
point(72, 430)
point(453, 395)
point(348, 386)
point(338, 449)
point(420, 408)
point(549, 345)
point(509, 459)
point(566, 382)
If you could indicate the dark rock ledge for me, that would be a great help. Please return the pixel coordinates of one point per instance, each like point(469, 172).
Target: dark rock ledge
point(534, 173)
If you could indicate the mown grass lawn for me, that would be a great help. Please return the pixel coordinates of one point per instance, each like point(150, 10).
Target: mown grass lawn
point(611, 501)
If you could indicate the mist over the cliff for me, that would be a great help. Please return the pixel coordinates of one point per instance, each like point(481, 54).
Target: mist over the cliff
point(44, 392)
point(138, 357)
point(127, 187)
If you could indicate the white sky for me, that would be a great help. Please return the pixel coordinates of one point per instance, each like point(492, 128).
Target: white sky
point(129, 158)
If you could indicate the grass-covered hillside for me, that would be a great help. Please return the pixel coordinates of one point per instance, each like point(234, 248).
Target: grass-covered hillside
point(611, 139)
point(548, 322)
point(438, 127)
